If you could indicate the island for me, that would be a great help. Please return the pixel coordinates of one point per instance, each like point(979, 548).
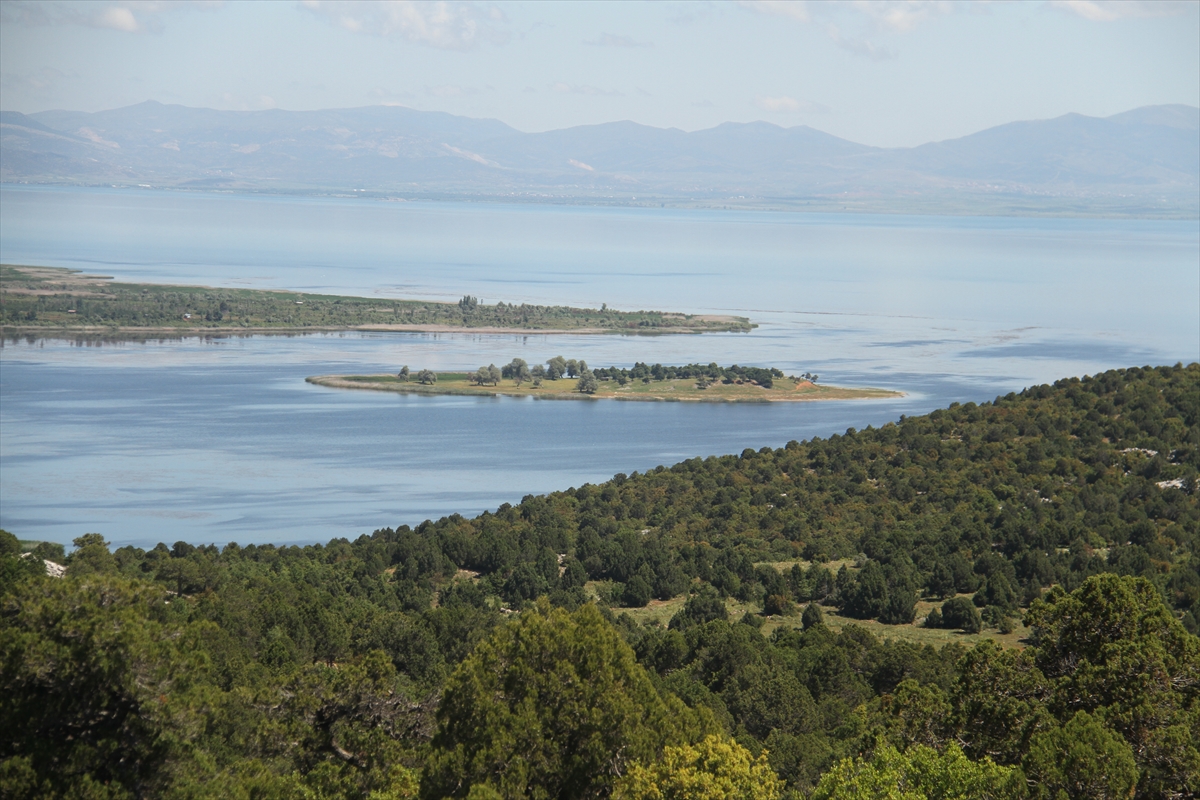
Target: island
point(42, 299)
point(570, 379)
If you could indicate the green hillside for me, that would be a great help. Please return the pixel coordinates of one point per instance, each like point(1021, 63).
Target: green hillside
point(580, 644)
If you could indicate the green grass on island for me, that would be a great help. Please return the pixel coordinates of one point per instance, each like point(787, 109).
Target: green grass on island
point(695, 383)
point(50, 298)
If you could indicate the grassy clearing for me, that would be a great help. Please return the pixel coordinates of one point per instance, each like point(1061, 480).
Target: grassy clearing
point(659, 612)
point(681, 390)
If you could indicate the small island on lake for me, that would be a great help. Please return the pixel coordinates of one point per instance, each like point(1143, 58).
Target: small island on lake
point(568, 379)
point(43, 299)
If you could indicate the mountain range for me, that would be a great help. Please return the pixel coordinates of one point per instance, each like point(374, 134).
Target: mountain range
point(1143, 162)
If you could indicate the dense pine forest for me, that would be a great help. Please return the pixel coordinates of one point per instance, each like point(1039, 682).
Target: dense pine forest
point(501, 656)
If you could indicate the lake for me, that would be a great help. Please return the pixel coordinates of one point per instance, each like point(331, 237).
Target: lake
point(220, 439)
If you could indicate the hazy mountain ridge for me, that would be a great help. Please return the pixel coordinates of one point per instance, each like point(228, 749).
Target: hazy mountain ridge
point(1147, 159)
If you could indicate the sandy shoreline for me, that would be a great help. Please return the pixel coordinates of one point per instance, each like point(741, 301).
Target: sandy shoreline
point(833, 393)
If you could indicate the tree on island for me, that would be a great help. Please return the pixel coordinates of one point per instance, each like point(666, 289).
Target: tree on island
point(572, 367)
point(556, 368)
point(427, 377)
point(587, 382)
point(518, 370)
point(489, 374)
point(403, 373)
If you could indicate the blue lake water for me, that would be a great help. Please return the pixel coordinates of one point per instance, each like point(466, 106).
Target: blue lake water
point(216, 440)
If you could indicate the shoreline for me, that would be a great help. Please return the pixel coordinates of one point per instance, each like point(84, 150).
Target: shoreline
point(65, 302)
point(826, 393)
point(23, 330)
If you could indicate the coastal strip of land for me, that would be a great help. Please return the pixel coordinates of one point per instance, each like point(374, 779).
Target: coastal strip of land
point(671, 390)
point(52, 299)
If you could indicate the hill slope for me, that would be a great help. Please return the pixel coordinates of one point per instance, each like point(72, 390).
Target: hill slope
point(394, 665)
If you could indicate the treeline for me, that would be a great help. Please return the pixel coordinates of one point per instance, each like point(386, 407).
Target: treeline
point(432, 661)
point(520, 371)
point(163, 306)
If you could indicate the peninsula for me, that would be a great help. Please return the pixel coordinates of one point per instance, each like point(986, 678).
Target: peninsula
point(568, 379)
point(42, 299)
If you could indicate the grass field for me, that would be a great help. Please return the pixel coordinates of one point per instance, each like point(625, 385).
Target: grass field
point(456, 383)
point(659, 612)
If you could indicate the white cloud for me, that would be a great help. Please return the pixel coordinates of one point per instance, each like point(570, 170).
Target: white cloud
point(882, 16)
point(795, 9)
point(44, 81)
point(118, 18)
point(901, 15)
point(443, 24)
point(777, 104)
point(449, 90)
point(260, 102)
point(861, 47)
point(581, 165)
point(613, 40)
point(567, 88)
point(1113, 10)
point(388, 97)
point(128, 16)
point(893, 15)
point(788, 105)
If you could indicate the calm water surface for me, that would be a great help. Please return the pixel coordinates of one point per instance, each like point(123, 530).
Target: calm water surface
point(221, 440)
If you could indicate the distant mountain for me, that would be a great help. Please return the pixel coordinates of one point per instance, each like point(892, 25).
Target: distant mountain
point(1142, 161)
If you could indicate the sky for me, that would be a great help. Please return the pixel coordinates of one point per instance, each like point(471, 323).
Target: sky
point(888, 74)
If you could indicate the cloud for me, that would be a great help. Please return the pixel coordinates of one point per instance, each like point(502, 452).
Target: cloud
point(388, 97)
point(118, 18)
point(1119, 9)
point(128, 16)
point(886, 16)
point(450, 90)
point(794, 9)
point(612, 40)
point(566, 88)
point(260, 102)
point(581, 165)
point(44, 81)
point(861, 47)
point(901, 15)
point(443, 24)
point(789, 105)
point(893, 15)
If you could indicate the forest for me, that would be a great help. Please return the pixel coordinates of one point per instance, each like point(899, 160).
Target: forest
point(502, 656)
point(32, 298)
